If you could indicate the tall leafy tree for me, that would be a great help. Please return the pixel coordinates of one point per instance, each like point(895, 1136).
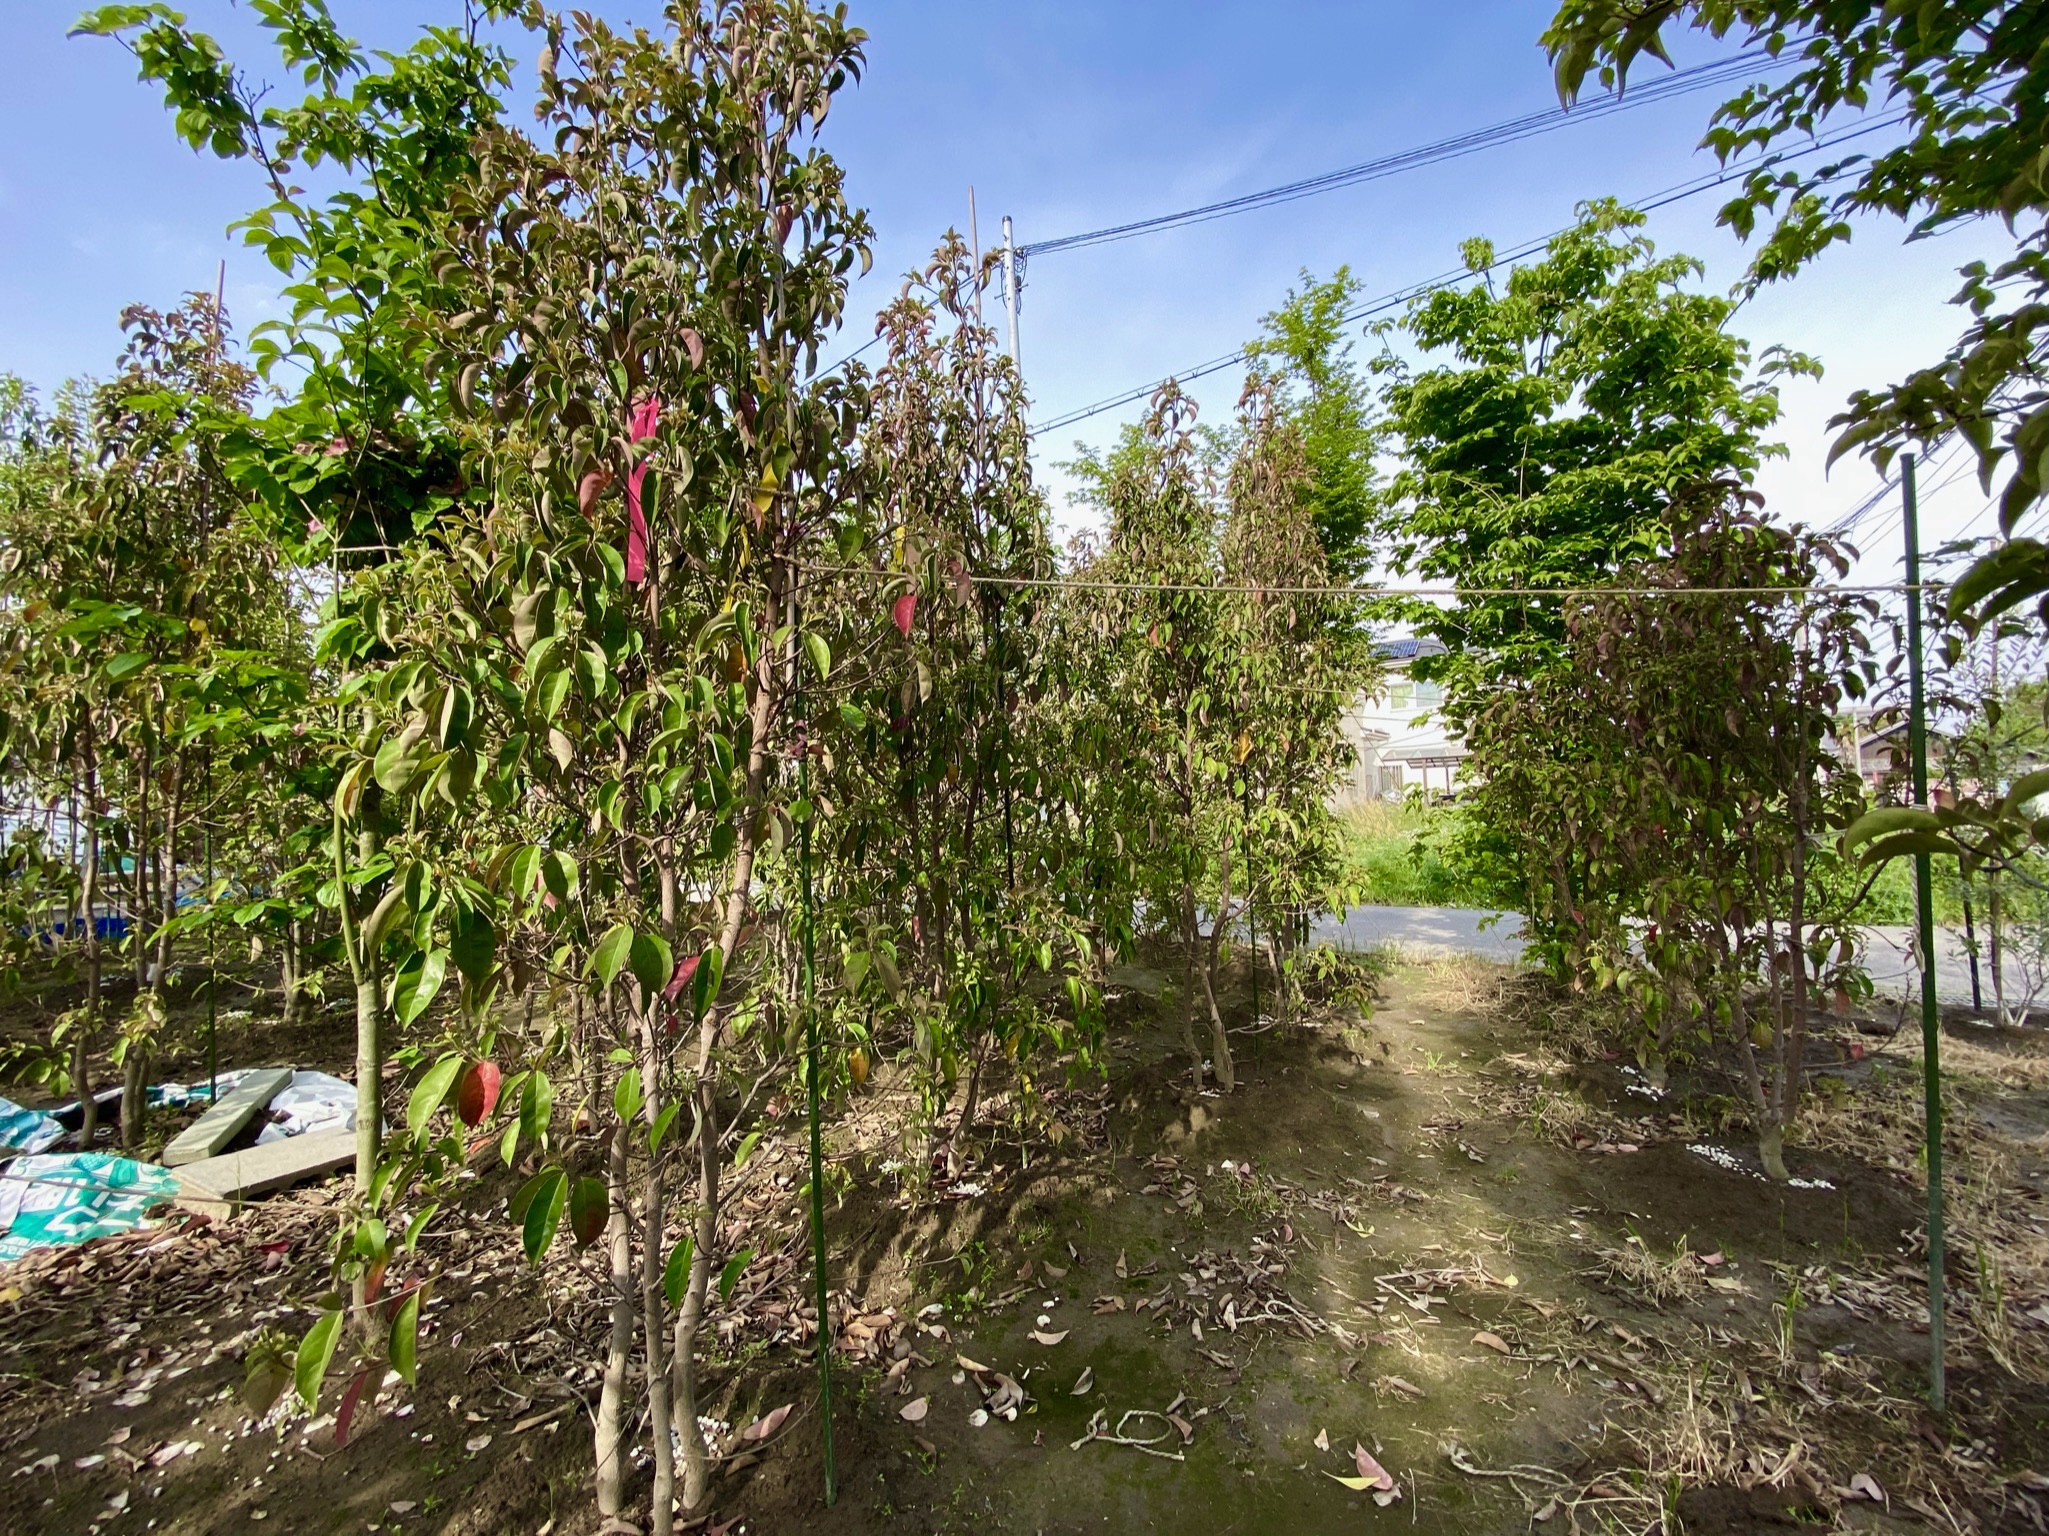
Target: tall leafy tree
point(1305, 358)
point(644, 289)
point(1574, 400)
point(152, 637)
point(1670, 790)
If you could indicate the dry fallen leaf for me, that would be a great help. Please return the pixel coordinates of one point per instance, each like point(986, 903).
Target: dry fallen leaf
point(1088, 1379)
point(1867, 1485)
point(915, 1410)
point(1492, 1341)
point(1122, 1272)
point(1323, 1439)
point(979, 1417)
point(1050, 1339)
point(1057, 1274)
point(970, 1366)
point(1375, 1474)
point(1549, 1509)
point(476, 1443)
point(763, 1427)
point(1187, 1429)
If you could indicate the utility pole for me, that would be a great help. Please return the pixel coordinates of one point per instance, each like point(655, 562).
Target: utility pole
point(1010, 291)
point(1924, 883)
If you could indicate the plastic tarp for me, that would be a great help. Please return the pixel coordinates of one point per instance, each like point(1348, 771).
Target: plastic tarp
point(70, 1197)
point(315, 1101)
point(27, 1130)
point(177, 1095)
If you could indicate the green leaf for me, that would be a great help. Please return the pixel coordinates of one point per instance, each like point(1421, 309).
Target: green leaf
point(431, 1092)
point(705, 984)
point(315, 1354)
point(821, 655)
point(472, 946)
point(405, 1337)
point(610, 957)
point(652, 963)
point(419, 1224)
point(560, 875)
point(536, 1105)
point(659, 1131)
point(590, 1207)
point(746, 1150)
point(124, 665)
point(1888, 819)
point(544, 1213)
point(730, 1275)
point(2029, 786)
point(383, 917)
point(676, 1273)
point(268, 1373)
point(417, 983)
point(626, 1097)
point(1900, 844)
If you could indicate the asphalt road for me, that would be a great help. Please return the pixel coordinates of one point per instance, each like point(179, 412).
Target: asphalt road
point(1497, 936)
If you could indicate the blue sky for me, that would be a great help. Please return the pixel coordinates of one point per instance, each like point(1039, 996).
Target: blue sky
point(1068, 117)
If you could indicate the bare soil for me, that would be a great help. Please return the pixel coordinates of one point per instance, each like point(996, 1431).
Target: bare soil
point(1443, 1232)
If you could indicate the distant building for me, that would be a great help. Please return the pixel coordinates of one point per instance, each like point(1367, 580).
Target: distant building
point(1397, 733)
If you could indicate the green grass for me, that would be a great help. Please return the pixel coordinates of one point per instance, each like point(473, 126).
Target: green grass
point(1394, 857)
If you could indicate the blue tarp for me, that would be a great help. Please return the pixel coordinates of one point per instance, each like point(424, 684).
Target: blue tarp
point(27, 1130)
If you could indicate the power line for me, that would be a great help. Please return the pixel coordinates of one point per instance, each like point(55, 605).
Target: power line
point(1354, 590)
point(1685, 82)
point(1706, 183)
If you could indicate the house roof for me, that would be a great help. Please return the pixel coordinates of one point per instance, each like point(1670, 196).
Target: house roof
point(1408, 648)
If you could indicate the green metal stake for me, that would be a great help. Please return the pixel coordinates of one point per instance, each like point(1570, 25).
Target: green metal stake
point(1931, 1021)
point(811, 1071)
point(1251, 904)
point(213, 979)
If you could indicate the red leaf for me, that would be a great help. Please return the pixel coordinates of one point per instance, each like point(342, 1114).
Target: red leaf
point(347, 1410)
point(477, 1094)
point(590, 488)
point(903, 612)
point(685, 969)
point(694, 345)
point(373, 1279)
point(767, 1425)
point(643, 423)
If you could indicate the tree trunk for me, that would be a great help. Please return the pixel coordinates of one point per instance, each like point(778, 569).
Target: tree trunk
point(1995, 925)
point(1227, 1071)
point(611, 1434)
point(653, 1304)
point(369, 1077)
point(1189, 943)
point(690, 1317)
point(134, 1094)
point(81, 1045)
point(290, 977)
point(369, 1038)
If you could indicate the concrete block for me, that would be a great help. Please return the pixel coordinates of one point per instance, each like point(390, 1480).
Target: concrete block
point(218, 1185)
point(206, 1136)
